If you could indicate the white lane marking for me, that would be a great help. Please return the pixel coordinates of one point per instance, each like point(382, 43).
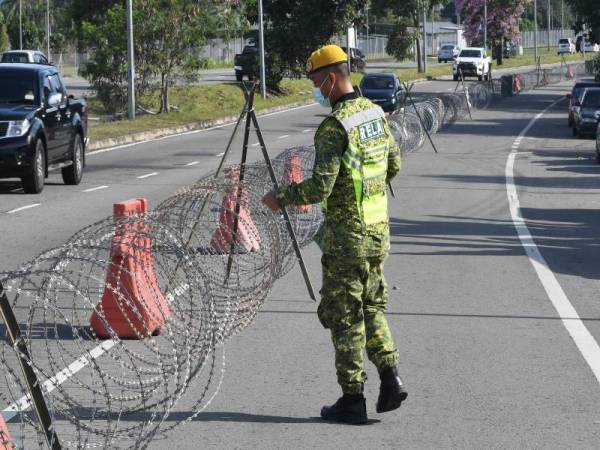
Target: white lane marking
point(220, 154)
point(97, 188)
point(193, 163)
point(284, 136)
point(16, 190)
point(148, 175)
point(23, 208)
point(51, 384)
point(583, 339)
point(308, 130)
point(186, 133)
point(256, 144)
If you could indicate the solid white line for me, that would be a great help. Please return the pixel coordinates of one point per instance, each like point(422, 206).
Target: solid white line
point(284, 136)
point(52, 383)
point(148, 175)
point(186, 133)
point(16, 190)
point(583, 339)
point(23, 208)
point(97, 188)
point(220, 154)
point(256, 144)
point(307, 130)
point(193, 163)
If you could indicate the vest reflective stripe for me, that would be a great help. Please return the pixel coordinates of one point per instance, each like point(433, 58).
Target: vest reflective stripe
point(362, 117)
point(367, 163)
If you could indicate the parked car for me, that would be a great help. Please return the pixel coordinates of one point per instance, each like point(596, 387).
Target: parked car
point(565, 45)
point(247, 64)
point(24, 56)
point(590, 47)
point(41, 127)
point(586, 112)
point(448, 52)
point(357, 59)
point(472, 61)
point(575, 95)
point(383, 89)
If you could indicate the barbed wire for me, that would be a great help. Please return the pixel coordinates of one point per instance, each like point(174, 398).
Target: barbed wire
point(131, 314)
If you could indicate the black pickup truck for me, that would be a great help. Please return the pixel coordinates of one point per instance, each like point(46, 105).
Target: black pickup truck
point(247, 63)
point(41, 127)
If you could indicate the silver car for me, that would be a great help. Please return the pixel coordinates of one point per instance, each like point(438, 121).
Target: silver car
point(448, 52)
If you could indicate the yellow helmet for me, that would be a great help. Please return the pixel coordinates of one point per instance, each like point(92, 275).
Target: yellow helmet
point(326, 56)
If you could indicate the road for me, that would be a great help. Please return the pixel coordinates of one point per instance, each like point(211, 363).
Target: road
point(482, 330)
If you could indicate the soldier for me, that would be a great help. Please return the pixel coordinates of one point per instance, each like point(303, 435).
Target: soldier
point(355, 157)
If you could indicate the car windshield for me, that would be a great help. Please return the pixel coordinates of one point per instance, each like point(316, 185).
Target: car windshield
point(371, 82)
point(448, 47)
point(18, 87)
point(15, 58)
point(592, 99)
point(563, 41)
point(470, 54)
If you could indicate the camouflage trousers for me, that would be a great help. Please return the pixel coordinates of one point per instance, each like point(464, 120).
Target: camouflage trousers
point(353, 301)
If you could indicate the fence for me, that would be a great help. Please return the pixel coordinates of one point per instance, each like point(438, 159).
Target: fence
point(528, 37)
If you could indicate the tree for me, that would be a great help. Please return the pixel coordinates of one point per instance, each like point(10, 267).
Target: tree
point(586, 12)
point(503, 18)
point(401, 41)
point(294, 29)
point(4, 43)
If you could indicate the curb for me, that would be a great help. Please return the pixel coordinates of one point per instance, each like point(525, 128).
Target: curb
point(201, 125)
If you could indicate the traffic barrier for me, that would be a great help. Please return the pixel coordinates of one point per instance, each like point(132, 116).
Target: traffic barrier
point(570, 74)
point(132, 305)
point(516, 84)
point(5, 441)
point(293, 174)
point(235, 229)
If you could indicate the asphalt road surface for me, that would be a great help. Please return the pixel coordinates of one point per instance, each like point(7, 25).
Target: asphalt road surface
point(496, 328)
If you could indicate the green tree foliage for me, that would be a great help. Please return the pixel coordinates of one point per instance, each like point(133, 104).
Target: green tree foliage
point(4, 43)
point(400, 42)
point(294, 29)
point(588, 14)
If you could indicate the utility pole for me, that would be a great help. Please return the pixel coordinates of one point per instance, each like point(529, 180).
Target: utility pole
point(48, 29)
point(130, 63)
point(368, 42)
point(261, 44)
point(548, 25)
point(485, 25)
point(424, 39)
point(535, 31)
point(562, 15)
point(20, 25)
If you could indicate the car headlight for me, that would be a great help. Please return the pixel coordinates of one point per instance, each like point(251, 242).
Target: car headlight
point(393, 100)
point(18, 128)
point(588, 119)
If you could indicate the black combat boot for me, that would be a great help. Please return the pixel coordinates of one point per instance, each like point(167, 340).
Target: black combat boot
point(350, 409)
point(391, 391)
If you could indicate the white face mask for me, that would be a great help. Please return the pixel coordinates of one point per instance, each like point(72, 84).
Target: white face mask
point(320, 98)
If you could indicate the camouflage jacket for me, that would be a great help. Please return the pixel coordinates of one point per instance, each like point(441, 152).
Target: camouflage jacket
point(342, 233)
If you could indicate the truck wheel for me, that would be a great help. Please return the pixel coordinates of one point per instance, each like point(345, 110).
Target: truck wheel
point(455, 77)
point(33, 182)
point(72, 174)
point(480, 77)
point(239, 76)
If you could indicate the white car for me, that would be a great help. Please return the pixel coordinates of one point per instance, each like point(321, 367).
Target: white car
point(472, 61)
point(24, 56)
point(588, 47)
point(448, 52)
point(565, 45)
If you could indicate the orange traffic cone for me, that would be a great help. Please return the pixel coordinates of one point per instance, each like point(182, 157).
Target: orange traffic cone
point(246, 234)
point(5, 441)
point(293, 174)
point(132, 304)
point(570, 74)
point(516, 84)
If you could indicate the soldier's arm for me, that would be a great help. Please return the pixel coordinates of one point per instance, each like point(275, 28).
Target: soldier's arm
point(394, 162)
point(330, 144)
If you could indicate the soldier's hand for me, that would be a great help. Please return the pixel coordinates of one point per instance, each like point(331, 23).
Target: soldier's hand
point(271, 201)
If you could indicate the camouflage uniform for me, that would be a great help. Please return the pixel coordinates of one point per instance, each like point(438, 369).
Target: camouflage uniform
point(354, 294)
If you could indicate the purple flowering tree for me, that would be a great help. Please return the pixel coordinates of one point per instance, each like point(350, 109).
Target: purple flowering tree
point(503, 18)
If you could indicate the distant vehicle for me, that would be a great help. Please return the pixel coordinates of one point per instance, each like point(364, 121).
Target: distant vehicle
point(357, 59)
point(247, 64)
point(472, 61)
point(24, 56)
point(590, 47)
point(448, 52)
point(383, 89)
point(41, 127)
point(565, 45)
point(586, 113)
point(575, 95)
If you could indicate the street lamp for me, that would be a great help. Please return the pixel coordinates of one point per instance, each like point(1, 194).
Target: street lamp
point(261, 45)
point(130, 63)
